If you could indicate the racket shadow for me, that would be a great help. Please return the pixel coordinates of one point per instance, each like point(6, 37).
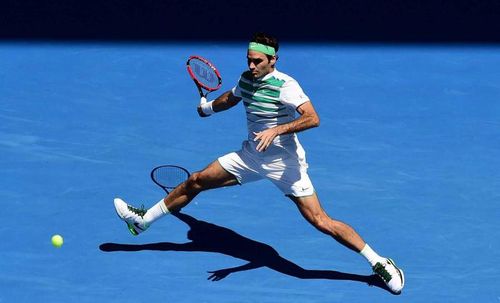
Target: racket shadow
point(208, 237)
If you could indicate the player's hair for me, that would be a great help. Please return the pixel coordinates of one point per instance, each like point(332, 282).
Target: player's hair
point(268, 40)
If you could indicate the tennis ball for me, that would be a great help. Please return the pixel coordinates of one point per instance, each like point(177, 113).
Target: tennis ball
point(57, 240)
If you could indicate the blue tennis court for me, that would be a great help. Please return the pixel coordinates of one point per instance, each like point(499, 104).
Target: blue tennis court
point(407, 153)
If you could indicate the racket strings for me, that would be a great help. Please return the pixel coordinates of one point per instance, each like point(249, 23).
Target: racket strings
point(170, 177)
point(204, 73)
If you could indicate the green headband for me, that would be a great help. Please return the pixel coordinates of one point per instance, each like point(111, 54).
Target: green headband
point(265, 49)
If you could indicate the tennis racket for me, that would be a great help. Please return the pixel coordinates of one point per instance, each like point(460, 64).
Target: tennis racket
point(204, 74)
point(169, 176)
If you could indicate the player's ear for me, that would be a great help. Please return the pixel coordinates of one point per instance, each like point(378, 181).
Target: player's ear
point(273, 60)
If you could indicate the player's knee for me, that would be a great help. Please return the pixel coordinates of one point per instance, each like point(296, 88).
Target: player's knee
point(327, 225)
point(195, 182)
point(321, 223)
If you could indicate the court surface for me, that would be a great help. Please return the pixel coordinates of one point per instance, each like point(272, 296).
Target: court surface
point(407, 153)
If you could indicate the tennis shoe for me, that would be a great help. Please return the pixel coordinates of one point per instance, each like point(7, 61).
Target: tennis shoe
point(391, 275)
point(133, 217)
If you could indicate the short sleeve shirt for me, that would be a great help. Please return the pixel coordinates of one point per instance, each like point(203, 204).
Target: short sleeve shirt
point(269, 101)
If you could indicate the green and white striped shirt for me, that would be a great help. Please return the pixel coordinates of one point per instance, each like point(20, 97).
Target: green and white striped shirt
point(269, 101)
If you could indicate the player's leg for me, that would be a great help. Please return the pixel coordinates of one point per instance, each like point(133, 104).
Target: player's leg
point(290, 176)
point(139, 219)
point(213, 176)
point(310, 208)
point(312, 211)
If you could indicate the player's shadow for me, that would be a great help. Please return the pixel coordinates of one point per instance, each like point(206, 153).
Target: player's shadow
point(208, 237)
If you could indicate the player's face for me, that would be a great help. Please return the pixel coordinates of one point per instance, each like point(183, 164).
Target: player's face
point(259, 64)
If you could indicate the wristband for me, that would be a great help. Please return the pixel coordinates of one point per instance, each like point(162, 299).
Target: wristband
point(206, 107)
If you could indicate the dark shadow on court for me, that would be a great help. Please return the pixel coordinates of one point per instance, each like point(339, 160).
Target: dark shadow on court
point(208, 237)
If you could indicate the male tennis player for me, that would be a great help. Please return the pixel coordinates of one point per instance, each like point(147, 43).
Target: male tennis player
point(272, 151)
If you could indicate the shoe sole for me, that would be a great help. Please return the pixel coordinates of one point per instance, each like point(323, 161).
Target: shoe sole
point(132, 229)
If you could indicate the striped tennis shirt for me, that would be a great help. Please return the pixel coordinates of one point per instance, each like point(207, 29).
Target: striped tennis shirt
point(269, 101)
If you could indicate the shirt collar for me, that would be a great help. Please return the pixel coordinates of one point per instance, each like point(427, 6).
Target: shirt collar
point(271, 74)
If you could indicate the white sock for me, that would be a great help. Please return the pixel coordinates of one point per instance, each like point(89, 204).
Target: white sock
point(371, 256)
point(156, 212)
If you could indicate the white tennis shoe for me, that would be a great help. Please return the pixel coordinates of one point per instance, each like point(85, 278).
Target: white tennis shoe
point(392, 276)
point(134, 217)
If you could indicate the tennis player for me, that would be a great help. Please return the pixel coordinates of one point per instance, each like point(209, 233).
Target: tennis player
point(272, 151)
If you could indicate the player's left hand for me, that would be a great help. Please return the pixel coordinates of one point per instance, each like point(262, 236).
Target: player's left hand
point(266, 137)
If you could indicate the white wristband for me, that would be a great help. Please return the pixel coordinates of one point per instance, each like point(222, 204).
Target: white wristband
point(206, 107)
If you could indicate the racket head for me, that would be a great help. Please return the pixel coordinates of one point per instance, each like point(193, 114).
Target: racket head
point(204, 73)
point(169, 177)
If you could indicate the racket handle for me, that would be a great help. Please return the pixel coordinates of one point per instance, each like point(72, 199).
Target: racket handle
point(200, 91)
point(199, 88)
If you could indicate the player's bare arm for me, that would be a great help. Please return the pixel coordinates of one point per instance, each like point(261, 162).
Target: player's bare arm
point(308, 119)
point(222, 103)
point(225, 101)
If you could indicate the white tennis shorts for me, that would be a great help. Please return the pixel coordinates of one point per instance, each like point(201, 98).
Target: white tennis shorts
point(287, 170)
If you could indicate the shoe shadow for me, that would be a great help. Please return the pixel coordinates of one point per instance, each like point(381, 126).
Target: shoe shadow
point(208, 237)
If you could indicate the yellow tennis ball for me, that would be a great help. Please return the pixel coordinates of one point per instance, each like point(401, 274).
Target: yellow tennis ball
point(57, 240)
